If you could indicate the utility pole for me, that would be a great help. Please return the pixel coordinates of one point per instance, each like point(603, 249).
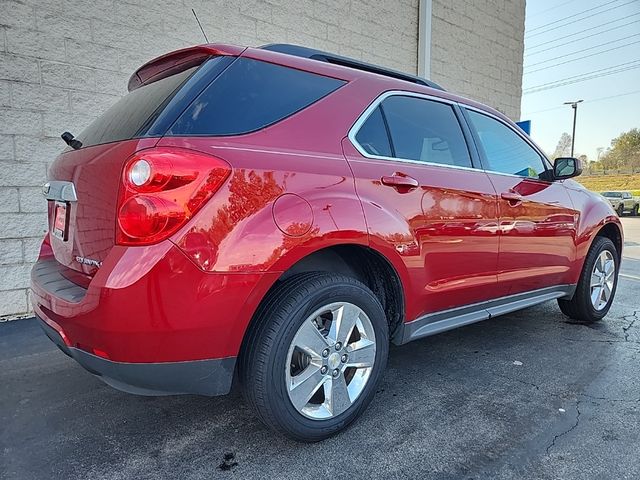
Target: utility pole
point(574, 105)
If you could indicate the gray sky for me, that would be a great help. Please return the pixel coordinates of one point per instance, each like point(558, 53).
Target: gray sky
point(604, 37)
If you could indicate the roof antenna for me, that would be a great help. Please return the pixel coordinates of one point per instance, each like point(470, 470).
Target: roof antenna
point(200, 25)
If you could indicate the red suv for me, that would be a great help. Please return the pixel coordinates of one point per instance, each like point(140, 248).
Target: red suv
point(282, 214)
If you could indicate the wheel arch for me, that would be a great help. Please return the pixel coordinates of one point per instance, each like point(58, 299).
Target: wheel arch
point(357, 261)
point(613, 232)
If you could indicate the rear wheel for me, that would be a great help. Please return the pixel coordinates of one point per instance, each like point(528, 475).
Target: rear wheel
point(597, 285)
point(312, 361)
point(634, 212)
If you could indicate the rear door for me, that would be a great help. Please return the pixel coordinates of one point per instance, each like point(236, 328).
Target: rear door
point(537, 218)
point(424, 201)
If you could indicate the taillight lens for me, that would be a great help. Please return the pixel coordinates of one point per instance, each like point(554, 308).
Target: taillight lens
point(162, 188)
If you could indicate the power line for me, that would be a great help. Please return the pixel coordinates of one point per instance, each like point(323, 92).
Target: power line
point(583, 57)
point(587, 101)
point(573, 15)
point(582, 38)
point(583, 50)
point(605, 68)
point(592, 77)
point(537, 14)
point(562, 37)
point(578, 20)
point(583, 77)
point(600, 70)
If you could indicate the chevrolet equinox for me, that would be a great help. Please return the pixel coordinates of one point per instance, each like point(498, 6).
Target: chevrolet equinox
point(279, 215)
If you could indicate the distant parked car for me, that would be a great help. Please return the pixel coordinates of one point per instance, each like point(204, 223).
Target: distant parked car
point(280, 215)
point(623, 202)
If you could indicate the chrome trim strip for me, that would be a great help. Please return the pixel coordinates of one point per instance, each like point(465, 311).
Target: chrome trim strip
point(60, 191)
point(434, 323)
point(418, 162)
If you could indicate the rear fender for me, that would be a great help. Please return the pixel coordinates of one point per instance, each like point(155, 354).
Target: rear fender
point(264, 220)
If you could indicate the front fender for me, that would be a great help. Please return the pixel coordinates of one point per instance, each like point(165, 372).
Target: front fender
point(595, 213)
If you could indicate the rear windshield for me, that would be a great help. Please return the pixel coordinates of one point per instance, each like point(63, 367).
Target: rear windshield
point(250, 95)
point(126, 118)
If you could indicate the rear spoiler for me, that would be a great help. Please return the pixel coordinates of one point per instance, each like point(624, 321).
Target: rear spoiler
point(174, 62)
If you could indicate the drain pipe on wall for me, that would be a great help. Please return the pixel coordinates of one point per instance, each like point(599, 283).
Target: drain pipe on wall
point(424, 38)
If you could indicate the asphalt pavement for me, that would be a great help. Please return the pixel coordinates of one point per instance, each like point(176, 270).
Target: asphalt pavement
point(526, 395)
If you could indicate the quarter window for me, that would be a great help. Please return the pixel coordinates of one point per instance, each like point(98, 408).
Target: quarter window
point(505, 151)
point(250, 95)
point(373, 137)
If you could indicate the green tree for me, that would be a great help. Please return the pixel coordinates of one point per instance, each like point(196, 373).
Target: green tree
point(624, 153)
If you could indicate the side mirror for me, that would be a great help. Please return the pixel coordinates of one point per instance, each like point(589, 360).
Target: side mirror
point(566, 167)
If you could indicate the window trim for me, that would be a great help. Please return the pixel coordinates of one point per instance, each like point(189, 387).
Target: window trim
point(472, 147)
point(364, 116)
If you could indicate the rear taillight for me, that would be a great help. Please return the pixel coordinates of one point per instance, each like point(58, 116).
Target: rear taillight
point(161, 189)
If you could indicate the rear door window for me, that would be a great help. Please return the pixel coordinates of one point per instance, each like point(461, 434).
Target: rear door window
point(426, 131)
point(250, 95)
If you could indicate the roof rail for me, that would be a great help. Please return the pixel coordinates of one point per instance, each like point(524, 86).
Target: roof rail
point(319, 55)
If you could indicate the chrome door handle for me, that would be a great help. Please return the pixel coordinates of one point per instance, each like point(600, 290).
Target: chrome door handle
point(512, 197)
point(400, 182)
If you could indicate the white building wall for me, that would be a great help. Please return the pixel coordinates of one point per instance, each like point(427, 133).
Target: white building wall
point(62, 63)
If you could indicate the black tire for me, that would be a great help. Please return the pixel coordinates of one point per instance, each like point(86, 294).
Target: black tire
point(620, 210)
point(263, 359)
point(580, 308)
point(634, 212)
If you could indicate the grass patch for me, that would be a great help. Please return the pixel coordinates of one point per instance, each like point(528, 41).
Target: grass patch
point(600, 183)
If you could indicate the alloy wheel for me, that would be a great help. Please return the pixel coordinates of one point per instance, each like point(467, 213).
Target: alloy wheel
point(602, 280)
point(330, 360)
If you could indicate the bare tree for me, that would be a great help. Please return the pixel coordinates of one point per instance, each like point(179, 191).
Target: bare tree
point(563, 149)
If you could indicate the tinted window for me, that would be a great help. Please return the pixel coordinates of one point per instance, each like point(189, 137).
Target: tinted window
point(612, 194)
point(250, 95)
point(373, 137)
point(505, 151)
point(126, 118)
point(425, 130)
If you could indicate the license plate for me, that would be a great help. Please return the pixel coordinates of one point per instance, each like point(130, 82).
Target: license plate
point(60, 221)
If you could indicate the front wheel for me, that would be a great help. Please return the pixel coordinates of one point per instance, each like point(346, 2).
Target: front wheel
point(315, 354)
point(620, 210)
point(634, 212)
point(597, 285)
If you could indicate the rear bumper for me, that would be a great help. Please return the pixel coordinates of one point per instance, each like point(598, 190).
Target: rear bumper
point(199, 377)
point(150, 321)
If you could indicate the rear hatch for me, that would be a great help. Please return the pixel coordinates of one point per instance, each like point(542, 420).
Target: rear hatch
point(106, 193)
point(84, 183)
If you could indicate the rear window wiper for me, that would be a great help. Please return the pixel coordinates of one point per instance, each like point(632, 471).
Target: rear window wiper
point(70, 140)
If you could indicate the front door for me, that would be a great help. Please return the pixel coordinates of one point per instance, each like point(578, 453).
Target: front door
point(537, 218)
point(425, 203)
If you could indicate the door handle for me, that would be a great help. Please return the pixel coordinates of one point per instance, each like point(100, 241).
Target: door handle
point(512, 197)
point(400, 182)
